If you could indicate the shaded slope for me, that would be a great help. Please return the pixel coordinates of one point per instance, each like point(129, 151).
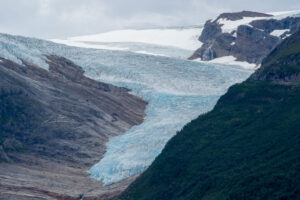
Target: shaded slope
point(54, 125)
point(248, 147)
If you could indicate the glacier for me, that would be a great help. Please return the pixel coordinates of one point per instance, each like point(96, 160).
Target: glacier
point(177, 91)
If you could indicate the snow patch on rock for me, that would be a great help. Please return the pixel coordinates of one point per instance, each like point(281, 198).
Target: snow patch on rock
point(231, 60)
point(278, 33)
point(228, 26)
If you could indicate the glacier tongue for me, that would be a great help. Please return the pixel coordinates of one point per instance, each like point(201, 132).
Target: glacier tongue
point(177, 91)
point(132, 153)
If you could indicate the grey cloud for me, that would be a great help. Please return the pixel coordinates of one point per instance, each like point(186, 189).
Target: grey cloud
point(63, 18)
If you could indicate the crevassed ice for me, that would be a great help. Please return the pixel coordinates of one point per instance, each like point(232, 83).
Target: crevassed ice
point(177, 91)
point(17, 48)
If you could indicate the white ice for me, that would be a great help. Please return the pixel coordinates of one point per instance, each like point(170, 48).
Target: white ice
point(185, 38)
point(171, 42)
point(16, 49)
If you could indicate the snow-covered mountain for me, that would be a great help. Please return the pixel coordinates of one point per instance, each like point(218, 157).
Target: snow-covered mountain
point(230, 21)
point(245, 36)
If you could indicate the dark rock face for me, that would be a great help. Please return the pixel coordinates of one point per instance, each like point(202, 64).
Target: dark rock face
point(270, 25)
point(281, 66)
point(249, 43)
point(54, 125)
point(211, 31)
point(241, 15)
point(252, 45)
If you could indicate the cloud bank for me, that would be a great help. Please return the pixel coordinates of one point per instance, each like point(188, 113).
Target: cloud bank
point(64, 18)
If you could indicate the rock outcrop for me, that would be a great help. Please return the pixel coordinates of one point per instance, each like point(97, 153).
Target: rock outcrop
point(282, 65)
point(53, 127)
point(248, 36)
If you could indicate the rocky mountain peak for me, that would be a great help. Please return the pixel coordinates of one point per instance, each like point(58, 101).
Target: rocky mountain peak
point(247, 36)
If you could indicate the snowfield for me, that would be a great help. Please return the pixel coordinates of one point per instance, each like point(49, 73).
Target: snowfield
point(172, 42)
point(185, 38)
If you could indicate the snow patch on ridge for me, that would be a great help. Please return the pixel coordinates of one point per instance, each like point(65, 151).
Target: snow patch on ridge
point(278, 33)
point(228, 26)
point(231, 60)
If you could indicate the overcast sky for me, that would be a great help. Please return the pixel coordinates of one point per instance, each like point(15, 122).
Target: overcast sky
point(63, 18)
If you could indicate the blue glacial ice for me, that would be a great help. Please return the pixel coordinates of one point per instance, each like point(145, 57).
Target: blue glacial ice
point(177, 91)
